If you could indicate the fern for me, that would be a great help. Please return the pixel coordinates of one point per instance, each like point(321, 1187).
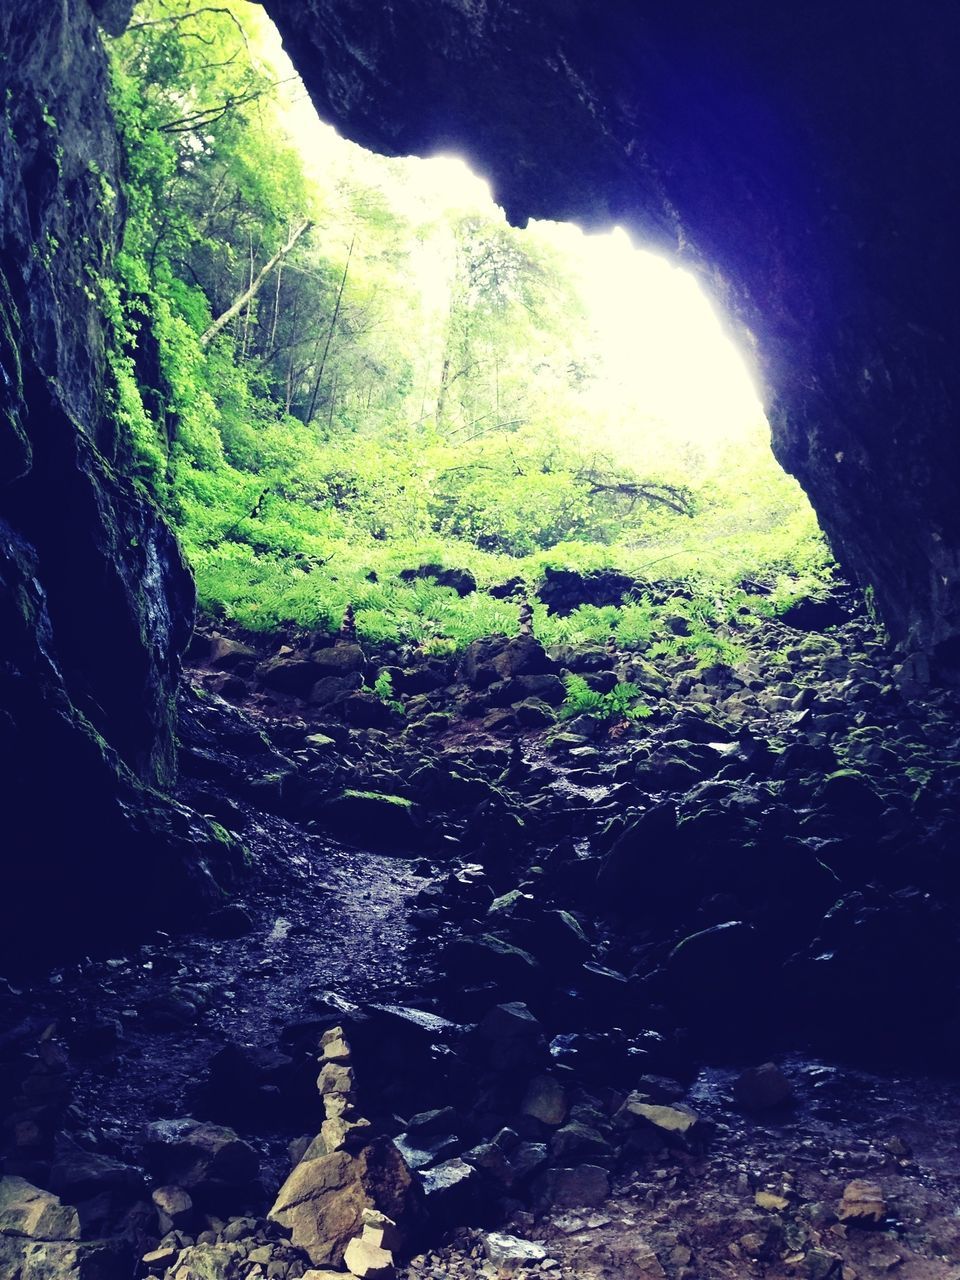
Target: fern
point(621, 703)
point(383, 688)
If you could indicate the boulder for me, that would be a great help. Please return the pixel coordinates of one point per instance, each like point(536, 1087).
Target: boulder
point(584, 1186)
point(339, 659)
point(27, 1211)
point(40, 1239)
point(228, 655)
point(322, 1201)
point(461, 581)
point(762, 1088)
point(289, 674)
point(523, 656)
point(719, 981)
point(77, 1174)
point(815, 615)
point(667, 1124)
point(329, 691)
point(453, 1193)
point(579, 1141)
point(199, 1157)
point(510, 1038)
point(511, 968)
point(643, 862)
point(545, 1100)
point(374, 820)
point(174, 1208)
point(380, 1230)
point(564, 590)
point(364, 710)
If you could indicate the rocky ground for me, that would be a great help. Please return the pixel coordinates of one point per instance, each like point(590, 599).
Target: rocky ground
point(557, 950)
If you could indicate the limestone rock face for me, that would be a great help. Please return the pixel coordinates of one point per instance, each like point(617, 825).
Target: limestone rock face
point(804, 160)
point(323, 1200)
point(96, 603)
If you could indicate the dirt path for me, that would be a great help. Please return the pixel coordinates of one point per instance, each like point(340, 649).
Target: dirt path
point(327, 923)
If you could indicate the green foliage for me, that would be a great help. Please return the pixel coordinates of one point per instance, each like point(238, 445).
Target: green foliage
point(412, 382)
point(383, 688)
point(622, 702)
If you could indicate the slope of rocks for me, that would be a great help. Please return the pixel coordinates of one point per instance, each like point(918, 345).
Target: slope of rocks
point(535, 935)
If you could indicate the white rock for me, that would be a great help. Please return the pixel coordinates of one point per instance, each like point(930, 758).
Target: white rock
point(510, 1252)
point(367, 1261)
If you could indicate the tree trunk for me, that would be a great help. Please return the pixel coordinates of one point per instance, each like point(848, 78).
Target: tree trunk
point(333, 324)
point(254, 288)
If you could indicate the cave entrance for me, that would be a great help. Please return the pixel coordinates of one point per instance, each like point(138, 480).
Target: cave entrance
point(404, 406)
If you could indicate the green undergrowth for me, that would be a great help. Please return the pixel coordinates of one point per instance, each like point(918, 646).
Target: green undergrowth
point(261, 593)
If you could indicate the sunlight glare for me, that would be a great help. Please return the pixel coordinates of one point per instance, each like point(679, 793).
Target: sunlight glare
point(667, 356)
point(666, 348)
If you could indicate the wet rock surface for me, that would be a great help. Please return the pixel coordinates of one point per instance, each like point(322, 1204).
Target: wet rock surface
point(516, 998)
point(96, 602)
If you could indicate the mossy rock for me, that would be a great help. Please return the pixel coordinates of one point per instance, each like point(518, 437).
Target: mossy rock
point(375, 820)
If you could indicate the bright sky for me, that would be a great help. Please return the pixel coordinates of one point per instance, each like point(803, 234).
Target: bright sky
point(666, 347)
point(668, 355)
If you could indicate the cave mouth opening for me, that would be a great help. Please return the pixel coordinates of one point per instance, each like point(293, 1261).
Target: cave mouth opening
point(393, 379)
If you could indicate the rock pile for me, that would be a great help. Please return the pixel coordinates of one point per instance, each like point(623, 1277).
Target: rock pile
point(343, 1200)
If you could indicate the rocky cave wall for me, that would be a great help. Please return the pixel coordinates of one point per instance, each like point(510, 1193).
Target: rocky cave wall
point(96, 602)
point(802, 158)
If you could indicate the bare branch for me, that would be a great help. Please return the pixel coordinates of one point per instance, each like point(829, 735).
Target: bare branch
point(249, 293)
point(176, 18)
point(210, 115)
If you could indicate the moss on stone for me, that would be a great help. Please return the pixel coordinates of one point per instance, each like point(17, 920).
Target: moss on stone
point(16, 454)
point(398, 801)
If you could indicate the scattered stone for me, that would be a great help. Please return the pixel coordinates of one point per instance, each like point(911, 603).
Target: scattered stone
point(174, 1208)
point(545, 1100)
point(367, 1260)
point(862, 1203)
point(508, 1253)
